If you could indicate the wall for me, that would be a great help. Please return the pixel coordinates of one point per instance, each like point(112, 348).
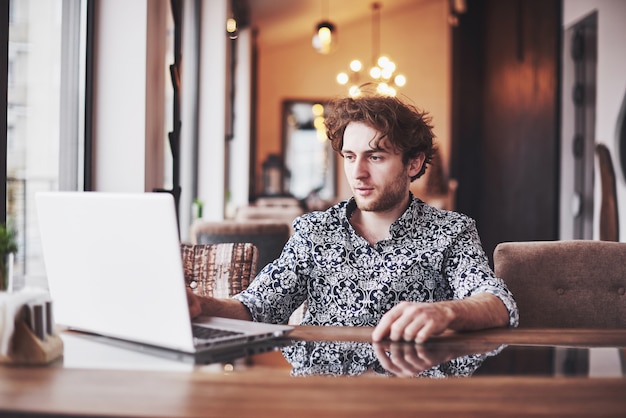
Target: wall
point(129, 120)
point(417, 38)
point(120, 96)
point(212, 109)
point(239, 146)
point(610, 93)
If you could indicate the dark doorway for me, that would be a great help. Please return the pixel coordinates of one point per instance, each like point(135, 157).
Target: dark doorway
point(505, 118)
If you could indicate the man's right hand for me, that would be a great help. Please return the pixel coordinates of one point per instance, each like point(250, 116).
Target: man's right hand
point(195, 309)
point(209, 306)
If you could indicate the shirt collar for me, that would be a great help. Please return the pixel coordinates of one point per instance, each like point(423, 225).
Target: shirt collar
point(404, 219)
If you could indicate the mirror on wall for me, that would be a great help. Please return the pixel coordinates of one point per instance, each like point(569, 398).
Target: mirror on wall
point(310, 162)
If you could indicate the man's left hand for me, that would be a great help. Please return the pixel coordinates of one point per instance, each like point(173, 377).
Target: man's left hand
point(413, 321)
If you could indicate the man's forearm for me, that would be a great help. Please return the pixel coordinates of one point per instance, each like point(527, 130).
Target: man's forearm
point(225, 308)
point(478, 312)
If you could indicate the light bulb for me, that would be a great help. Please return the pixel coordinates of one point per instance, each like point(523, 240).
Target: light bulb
point(231, 28)
point(375, 73)
point(356, 66)
point(323, 39)
point(382, 61)
point(342, 78)
point(354, 91)
point(400, 80)
point(386, 73)
point(325, 35)
point(318, 122)
point(317, 109)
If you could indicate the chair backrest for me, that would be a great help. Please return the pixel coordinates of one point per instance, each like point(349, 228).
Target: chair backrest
point(284, 214)
point(219, 270)
point(268, 236)
point(609, 215)
point(565, 284)
point(278, 201)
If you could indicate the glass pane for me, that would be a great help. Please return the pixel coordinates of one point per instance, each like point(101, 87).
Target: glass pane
point(33, 123)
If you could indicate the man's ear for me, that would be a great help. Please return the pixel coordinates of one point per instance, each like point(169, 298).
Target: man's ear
point(415, 164)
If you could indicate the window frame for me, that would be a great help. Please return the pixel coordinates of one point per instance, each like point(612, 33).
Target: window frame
point(75, 121)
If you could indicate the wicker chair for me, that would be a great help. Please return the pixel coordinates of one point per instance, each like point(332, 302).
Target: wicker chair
point(219, 270)
point(268, 236)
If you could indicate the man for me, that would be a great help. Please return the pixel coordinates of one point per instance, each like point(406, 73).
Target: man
point(382, 258)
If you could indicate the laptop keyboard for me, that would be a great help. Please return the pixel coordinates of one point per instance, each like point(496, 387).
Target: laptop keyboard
point(206, 333)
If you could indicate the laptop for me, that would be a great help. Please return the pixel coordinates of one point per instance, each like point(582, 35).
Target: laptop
point(114, 269)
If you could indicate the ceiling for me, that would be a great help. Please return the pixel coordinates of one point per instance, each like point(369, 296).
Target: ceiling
point(280, 21)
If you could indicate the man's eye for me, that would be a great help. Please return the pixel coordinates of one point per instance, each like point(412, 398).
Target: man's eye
point(348, 157)
point(376, 157)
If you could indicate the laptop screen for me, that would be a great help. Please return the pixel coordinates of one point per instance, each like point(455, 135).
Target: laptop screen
point(114, 266)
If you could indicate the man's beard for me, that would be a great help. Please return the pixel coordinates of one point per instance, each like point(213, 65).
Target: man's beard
point(392, 194)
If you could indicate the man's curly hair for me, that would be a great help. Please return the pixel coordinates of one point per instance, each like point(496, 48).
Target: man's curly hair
point(407, 128)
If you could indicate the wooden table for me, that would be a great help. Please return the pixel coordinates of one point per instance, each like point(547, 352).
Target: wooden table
point(266, 388)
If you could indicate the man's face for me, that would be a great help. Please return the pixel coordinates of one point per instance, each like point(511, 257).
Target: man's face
point(378, 178)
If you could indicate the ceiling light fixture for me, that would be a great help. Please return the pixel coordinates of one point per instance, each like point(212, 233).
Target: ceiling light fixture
point(325, 36)
point(457, 8)
point(231, 28)
point(382, 72)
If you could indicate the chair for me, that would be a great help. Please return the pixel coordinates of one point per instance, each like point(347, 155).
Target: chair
point(284, 214)
point(565, 284)
point(609, 215)
point(268, 236)
point(280, 201)
point(219, 270)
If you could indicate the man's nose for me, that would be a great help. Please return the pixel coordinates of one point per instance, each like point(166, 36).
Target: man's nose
point(360, 168)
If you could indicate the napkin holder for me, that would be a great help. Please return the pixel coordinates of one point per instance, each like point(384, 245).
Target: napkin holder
point(27, 332)
point(28, 349)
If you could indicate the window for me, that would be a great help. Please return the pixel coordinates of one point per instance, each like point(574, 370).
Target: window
point(45, 60)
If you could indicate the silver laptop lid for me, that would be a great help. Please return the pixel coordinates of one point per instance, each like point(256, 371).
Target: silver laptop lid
point(114, 266)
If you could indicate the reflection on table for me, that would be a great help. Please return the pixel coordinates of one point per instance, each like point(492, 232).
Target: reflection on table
point(306, 355)
point(336, 371)
point(340, 358)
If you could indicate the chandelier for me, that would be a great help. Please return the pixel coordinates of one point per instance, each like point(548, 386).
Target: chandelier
point(382, 72)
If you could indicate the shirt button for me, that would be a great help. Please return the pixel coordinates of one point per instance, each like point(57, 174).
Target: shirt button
point(621, 291)
point(560, 291)
point(193, 284)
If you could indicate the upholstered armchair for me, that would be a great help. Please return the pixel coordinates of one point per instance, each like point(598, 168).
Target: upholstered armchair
point(566, 284)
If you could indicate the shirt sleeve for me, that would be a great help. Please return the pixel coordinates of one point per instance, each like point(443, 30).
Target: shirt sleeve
point(469, 273)
point(280, 288)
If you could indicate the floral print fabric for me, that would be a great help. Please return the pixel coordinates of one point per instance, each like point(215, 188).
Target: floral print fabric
point(430, 255)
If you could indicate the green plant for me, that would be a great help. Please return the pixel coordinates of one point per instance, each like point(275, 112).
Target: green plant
point(198, 208)
point(8, 243)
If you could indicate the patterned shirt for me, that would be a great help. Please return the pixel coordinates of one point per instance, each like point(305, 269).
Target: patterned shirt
point(343, 358)
point(430, 255)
